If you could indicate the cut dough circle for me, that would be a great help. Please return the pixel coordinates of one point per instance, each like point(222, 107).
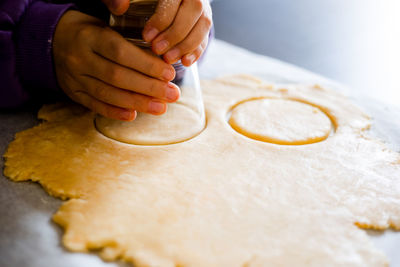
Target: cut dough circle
point(178, 124)
point(280, 121)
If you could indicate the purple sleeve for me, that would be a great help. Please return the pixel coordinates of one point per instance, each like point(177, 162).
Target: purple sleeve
point(26, 35)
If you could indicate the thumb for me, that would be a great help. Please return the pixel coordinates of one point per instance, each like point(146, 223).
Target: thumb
point(117, 7)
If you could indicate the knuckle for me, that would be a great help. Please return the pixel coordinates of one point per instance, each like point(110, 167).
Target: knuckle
point(127, 100)
point(152, 66)
point(176, 36)
point(198, 4)
point(163, 23)
point(117, 50)
point(155, 67)
point(106, 32)
point(138, 103)
point(161, 69)
point(155, 88)
point(101, 92)
point(207, 21)
point(113, 74)
point(84, 33)
point(185, 47)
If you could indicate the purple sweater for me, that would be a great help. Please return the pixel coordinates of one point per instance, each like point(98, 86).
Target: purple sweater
point(26, 36)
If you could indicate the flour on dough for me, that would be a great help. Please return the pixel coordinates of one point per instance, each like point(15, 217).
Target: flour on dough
point(219, 199)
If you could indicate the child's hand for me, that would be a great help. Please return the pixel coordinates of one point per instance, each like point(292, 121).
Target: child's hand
point(179, 29)
point(98, 68)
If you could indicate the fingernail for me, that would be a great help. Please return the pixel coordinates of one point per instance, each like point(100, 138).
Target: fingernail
point(191, 58)
point(127, 115)
point(149, 34)
point(168, 74)
point(156, 107)
point(173, 54)
point(172, 94)
point(161, 46)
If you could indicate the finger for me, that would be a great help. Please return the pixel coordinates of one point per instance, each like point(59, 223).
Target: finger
point(122, 52)
point(199, 33)
point(104, 109)
point(122, 98)
point(163, 17)
point(76, 90)
point(117, 7)
point(187, 17)
point(192, 57)
point(128, 79)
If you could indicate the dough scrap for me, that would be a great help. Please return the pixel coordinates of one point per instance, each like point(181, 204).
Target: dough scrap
point(280, 121)
point(219, 199)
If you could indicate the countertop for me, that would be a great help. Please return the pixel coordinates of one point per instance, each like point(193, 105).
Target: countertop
point(28, 237)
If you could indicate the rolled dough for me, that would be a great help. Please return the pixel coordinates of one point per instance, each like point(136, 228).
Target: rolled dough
point(280, 121)
point(219, 199)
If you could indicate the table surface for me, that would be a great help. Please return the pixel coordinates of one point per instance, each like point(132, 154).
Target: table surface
point(28, 237)
point(355, 42)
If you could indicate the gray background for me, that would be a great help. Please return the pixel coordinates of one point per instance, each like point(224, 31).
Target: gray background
point(356, 42)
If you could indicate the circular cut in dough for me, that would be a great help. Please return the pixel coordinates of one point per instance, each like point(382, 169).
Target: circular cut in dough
point(280, 121)
point(178, 124)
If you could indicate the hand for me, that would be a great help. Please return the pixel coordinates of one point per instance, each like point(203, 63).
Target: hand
point(179, 30)
point(99, 69)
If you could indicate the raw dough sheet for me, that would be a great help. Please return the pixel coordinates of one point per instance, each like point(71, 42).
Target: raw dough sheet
point(221, 198)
